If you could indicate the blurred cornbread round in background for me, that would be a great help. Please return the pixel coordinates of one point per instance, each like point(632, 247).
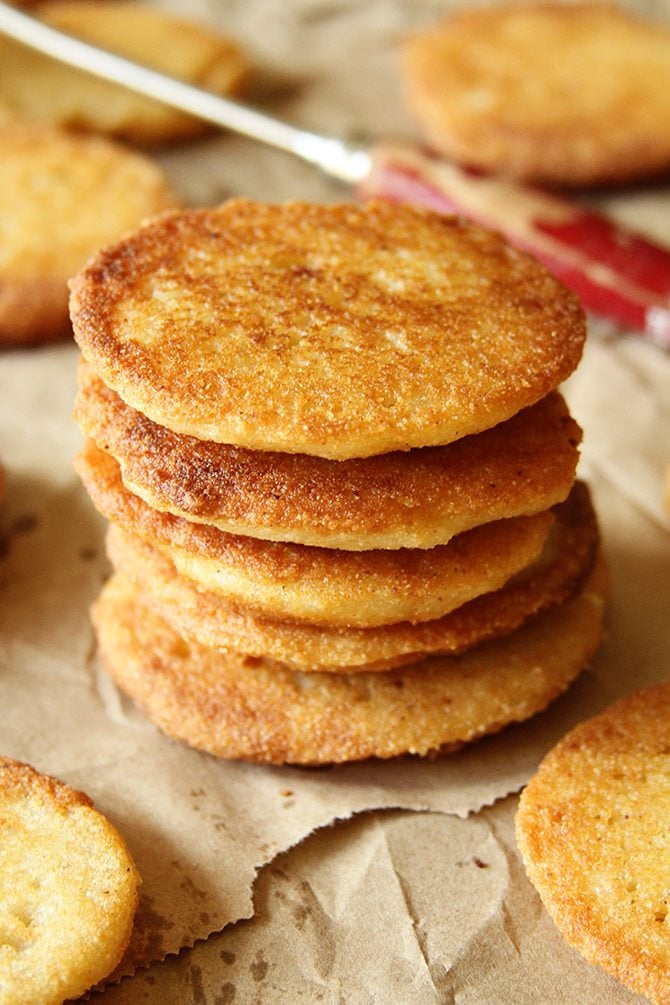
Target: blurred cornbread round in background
point(592, 827)
point(68, 889)
point(340, 331)
point(62, 197)
point(561, 93)
point(415, 499)
point(321, 585)
point(236, 707)
point(35, 88)
point(204, 615)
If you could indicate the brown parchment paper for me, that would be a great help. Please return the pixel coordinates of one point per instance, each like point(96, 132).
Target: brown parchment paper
point(351, 904)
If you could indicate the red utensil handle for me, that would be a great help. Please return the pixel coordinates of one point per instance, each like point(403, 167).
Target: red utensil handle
point(616, 273)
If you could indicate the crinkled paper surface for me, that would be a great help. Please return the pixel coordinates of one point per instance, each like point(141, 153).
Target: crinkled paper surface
point(368, 883)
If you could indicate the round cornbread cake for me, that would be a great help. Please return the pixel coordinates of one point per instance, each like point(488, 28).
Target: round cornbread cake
point(68, 890)
point(415, 499)
point(239, 708)
point(567, 94)
point(592, 827)
point(62, 196)
point(321, 585)
point(205, 617)
point(339, 331)
point(34, 88)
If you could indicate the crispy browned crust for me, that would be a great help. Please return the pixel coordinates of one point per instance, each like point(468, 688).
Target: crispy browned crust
point(321, 585)
point(235, 707)
point(203, 616)
point(62, 861)
point(415, 500)
point(23, 780)
point(61, 197)
point(339, 331)
point(569, 94)
point(592, 827)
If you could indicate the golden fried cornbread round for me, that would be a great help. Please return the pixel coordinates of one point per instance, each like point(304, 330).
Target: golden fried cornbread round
point(417, 499)
point(340, 331)
point(321, 585)
point(566, 94)
point(592, 827)
point(34, 88)
point(236, 707)
point(61, 197)
point(204, 616)
point(68, 889)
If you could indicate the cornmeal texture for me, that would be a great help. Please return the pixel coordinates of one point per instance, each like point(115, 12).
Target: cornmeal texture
point(322, 585)
point(416, 499)
point(68, 890)
point(204, 616)
point(339, 476)
point(235, 707)
point(592, 827)
point(338, 331)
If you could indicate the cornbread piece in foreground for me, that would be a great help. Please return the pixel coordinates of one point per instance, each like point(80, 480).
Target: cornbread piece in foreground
point(567, 94)
point(61, 197)
point(415, 499)
point(68, 890)
point(321, 585)
point(340, 331)
point(592, 827)
point(205, 617)
point(34, 88)
point(260, 711)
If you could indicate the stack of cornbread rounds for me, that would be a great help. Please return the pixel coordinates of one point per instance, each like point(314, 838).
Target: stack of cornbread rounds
point(339, 477)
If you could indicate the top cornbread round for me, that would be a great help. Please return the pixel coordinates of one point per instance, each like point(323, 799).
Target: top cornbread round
point(338, 331)
point(568, 94)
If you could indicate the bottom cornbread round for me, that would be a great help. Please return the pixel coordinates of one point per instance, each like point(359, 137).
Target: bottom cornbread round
point(246, 708)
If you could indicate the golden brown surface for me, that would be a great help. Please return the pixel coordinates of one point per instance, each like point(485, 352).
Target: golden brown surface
point(592, 827)
point(34, 88)
point(569, 94)
point(203, 616)
point(340, 331)
point(68, 890)
point(235, 707)
point(318, 584)
point(61, 198)
point(414, 500)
